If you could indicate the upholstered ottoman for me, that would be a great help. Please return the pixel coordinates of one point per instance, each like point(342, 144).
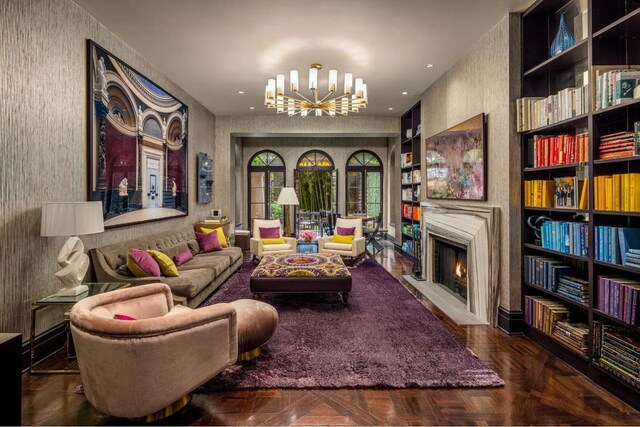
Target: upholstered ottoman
point(301, 273)
point(257, 322)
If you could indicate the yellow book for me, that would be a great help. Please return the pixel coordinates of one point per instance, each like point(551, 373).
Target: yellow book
point(616, 192)
point(596, 186)
point(547, 193)
point(625, 192)
point(601, 193)
point(634, 194)
point(608, 189)
point(633, 178)
point(584, 194)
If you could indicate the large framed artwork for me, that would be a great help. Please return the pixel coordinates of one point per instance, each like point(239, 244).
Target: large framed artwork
point(456, 162)
point(137, 144)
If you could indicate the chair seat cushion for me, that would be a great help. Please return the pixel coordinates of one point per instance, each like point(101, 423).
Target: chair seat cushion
point(274, 248)
point(338, 246)
point(190, 282)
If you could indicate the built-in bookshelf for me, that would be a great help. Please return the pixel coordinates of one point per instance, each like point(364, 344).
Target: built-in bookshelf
point(410, 181)
point(581, 188)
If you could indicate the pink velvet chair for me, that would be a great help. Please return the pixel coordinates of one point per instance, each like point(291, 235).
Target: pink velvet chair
point(148, 367)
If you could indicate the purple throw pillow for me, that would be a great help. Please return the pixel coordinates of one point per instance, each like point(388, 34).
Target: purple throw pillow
point(345, 231)
point(183, 257)
point(208, 242)
point(269, 232)
point(145, 262)
point(123, 317)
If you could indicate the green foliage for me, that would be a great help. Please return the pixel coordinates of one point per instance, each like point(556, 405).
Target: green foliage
point(315, 190)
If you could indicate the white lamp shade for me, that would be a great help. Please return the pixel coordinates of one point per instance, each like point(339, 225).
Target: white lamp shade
point(293, 77)
point(71, 219)
point(288, 196)
point(313, 78)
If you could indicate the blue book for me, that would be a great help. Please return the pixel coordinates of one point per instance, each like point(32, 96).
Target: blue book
point(595, 242)
point(629, 238)
point(601, 243)
point(615, 247)
point(607, 244)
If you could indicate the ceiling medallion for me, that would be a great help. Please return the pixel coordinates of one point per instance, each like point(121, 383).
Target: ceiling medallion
point(350, 101)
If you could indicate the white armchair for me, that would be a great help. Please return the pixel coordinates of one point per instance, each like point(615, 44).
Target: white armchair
point(355, 249)
point(258, 249)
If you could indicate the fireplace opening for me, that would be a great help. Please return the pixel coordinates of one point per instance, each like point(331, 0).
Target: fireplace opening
point(450, 266)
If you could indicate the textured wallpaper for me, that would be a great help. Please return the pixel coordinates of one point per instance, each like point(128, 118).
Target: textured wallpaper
point(43, 144)
point(487, 80)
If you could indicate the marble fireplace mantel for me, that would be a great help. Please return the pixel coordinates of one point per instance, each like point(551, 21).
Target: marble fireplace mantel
point(478, 229)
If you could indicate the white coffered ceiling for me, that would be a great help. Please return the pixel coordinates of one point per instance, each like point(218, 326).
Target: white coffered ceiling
point(215, 48)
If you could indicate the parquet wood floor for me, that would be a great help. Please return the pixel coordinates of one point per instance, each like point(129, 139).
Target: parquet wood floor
point(540, 389)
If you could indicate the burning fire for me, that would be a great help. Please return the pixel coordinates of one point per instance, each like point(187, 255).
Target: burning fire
point(459, 269)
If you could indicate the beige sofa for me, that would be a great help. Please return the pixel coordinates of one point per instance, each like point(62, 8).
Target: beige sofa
point(197, 278)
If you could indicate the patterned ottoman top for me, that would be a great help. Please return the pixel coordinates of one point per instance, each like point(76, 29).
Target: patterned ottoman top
point(301, 265)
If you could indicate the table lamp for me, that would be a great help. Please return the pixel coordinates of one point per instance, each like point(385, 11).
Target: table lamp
point(287, 198)
point(72, 219)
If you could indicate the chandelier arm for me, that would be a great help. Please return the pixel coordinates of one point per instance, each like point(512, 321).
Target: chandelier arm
point(303, 97)
point(315, 96)
point(331, 92)
point(339, 97)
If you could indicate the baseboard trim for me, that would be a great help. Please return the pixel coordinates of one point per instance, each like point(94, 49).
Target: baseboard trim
point(510, 321)
point(46, 343)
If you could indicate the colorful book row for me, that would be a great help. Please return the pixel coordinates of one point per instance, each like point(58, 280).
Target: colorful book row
point(618, 297)
point(535, 112)
point(409, 211)
point(566, 237)
point(620, 144)
point(559, 150)
point(617, 351)
point(619, 192)
point(617, 245)
point(614, 85)
point(562, 192)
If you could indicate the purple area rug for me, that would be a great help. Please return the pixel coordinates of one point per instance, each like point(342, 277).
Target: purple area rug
point(384, 338)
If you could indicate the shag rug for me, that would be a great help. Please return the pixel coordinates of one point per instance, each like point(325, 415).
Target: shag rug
point(384, 338)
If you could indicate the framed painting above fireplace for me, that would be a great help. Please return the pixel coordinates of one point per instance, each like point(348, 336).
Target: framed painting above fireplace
point(456, 162)
point(137, 144)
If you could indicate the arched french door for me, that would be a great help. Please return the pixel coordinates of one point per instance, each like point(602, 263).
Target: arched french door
point(316, 182)
point(266, 177)
point(364, 183)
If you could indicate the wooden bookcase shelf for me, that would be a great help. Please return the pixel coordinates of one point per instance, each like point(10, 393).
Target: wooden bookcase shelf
point(410, 121)
point(613, 38)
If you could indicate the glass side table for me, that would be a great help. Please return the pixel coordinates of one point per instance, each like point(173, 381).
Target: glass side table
point(69, 301)
point(307, 247)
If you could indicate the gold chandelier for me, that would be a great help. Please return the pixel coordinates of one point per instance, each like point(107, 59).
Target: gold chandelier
point(351, 100)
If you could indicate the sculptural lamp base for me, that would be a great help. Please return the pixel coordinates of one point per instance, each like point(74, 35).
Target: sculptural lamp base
point(72, 292)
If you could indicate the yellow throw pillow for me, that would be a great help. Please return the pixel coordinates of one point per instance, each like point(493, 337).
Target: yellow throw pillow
point(167, 266)
point(343, 239)
point(278, 241)
point(221, 237)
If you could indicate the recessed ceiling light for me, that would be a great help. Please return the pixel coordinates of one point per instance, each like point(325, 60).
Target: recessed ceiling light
point(252, 108)
point(428, 65)
point(405, 92)
point(241, 92)
point(390, 108)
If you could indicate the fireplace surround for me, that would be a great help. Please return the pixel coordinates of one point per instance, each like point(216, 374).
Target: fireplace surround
point(476, 228)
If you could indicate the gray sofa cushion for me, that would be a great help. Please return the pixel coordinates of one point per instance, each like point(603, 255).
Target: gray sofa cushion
point(190, 282)
point(232, 252)
point(217, 264)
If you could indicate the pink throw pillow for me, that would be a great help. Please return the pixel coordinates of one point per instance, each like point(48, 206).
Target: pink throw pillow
point(345, 231)
point(123, 317)
point(208, 242)
point(269, 232)
point(183, 257)
point(145, 262)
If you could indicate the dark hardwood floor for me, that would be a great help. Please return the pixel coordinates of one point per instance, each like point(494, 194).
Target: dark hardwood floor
point(539, 389)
